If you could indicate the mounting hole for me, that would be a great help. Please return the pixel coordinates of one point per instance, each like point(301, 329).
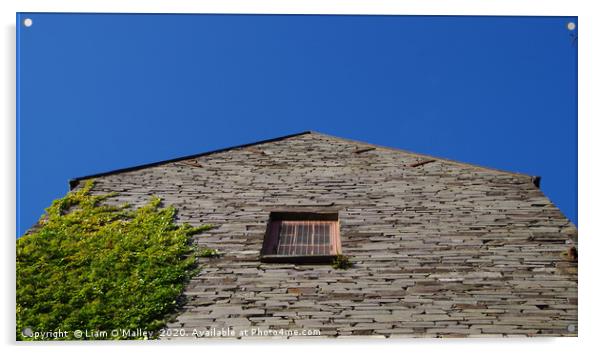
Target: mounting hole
point(27, 22)
point(571, 26)
point(571, 328)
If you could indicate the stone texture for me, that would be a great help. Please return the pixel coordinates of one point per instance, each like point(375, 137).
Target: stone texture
point(444, 249)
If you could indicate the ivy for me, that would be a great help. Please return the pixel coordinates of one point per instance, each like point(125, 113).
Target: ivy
point(98, 267)
point(208, 253)
point(341, 262)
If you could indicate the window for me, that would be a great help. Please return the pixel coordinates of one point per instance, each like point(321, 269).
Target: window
point(301, 237)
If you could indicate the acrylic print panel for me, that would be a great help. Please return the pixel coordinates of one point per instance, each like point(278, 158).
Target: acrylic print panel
point(428, 136)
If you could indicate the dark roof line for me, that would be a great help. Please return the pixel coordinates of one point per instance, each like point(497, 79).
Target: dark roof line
point(73, 182)
point(536, 179)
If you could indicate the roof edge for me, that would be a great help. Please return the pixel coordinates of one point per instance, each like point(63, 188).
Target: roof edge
point(536, 179)
point(73, 182)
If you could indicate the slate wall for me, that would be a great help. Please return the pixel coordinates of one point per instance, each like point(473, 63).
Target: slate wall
point(441, 249)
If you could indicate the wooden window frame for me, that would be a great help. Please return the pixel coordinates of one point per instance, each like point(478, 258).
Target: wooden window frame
point(272, 237)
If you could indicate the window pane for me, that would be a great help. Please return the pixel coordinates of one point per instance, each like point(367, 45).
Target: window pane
point(286, 238)
point(305, 238)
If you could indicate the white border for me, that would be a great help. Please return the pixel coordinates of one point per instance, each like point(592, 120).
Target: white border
point(590, 115)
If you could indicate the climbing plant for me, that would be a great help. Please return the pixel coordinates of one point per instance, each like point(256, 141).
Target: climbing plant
point(91, 266)
point(341, 262)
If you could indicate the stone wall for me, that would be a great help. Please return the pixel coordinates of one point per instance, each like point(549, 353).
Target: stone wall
point(440, 249)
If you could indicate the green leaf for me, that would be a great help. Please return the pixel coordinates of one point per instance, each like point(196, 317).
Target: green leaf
point(96, 266)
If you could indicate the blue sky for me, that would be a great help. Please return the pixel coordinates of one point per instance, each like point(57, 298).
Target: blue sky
point(97, 92)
